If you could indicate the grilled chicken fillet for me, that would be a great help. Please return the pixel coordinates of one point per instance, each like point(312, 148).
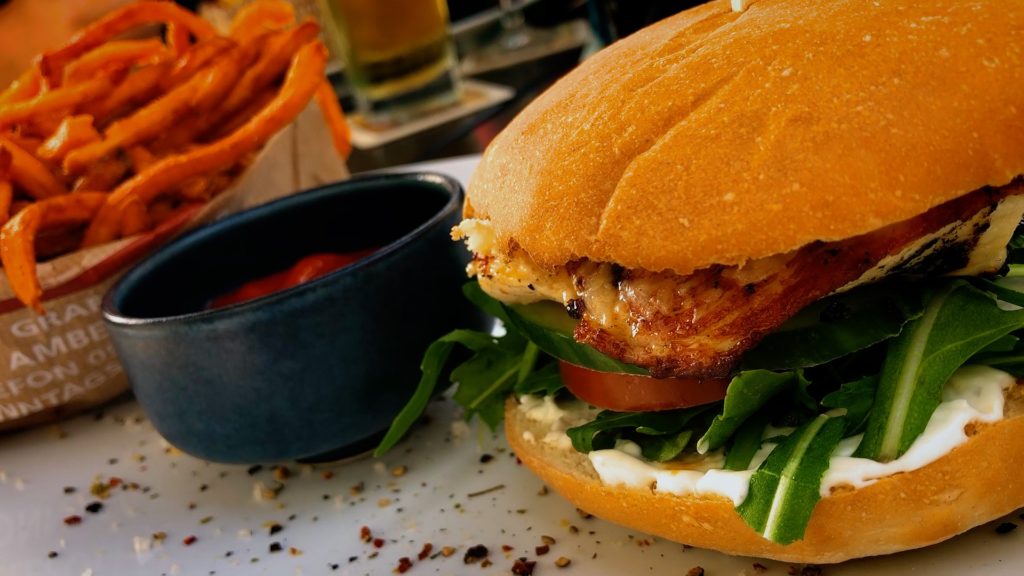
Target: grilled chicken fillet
point(700, 324)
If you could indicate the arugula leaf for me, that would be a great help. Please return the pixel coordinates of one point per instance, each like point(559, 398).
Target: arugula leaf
point(856, 398)
point(548, 326)
point(837, 326)
point(785, 489)
point(747, 393)
point(475, 294)
point(1011, 361)
point(484, 382)
point(601, 432)
point(1004, 345)
point(546, 381)
point(746, 442)
point(1006, 290)
point(433, 363)
point(665, 447)
point(959, 320)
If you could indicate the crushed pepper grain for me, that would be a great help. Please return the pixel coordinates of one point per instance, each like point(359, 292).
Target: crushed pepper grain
point(523, 567)
point(475, 553)
point(404, 564)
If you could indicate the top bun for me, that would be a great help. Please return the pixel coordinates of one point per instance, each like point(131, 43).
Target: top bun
point(716, 137)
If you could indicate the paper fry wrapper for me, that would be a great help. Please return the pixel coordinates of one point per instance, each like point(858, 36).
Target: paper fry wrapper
point(62, 362)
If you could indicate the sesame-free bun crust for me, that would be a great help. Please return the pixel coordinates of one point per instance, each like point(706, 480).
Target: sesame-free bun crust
point(715, 137)
point(976, 482)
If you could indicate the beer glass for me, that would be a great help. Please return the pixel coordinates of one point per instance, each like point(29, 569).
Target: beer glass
point(399, 58)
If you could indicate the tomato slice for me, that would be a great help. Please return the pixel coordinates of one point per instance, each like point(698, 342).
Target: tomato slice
point(635, 393)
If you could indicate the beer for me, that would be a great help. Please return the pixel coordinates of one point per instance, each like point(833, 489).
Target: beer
point(398, 54)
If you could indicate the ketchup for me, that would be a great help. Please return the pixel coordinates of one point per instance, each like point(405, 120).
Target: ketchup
point(306, 269)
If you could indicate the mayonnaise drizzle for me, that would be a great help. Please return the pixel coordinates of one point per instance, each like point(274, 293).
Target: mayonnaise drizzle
point(975, 394)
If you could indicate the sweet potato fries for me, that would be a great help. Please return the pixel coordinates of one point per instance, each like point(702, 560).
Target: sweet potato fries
point(110, 135)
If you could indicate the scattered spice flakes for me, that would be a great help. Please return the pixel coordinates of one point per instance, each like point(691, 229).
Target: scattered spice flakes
point(404, 564)
point(543, 491)
point(364, 534)
point(760, 568)
point(486, 563)
point(293, 551)
point(334, 566)
point(485, 458)
point(810, 570)
point(486, 491)
point(52, 554)
point(281, 473)
point(383, 502)
point(547, 540)
point(274, 547)
point(573, 529)
point(523, 567)
point(254, 469)
point(562, 562)
point(399, 471)
point(542, 550)
point(584, 514)
point(1005, 528)
point(357, 489)
point(447, 551)
point(272, 528)
point(695, 571)
point(474, 554)
point(425, 551)
point(159, 536)
point(70, 489)
point(73, 520)
point(263, 493)
point(189, 540)
point(327, 474)
point(100, 489)
point(378, 542)
point(206, 519)
point(203, 487)
point(506, 548)
point(94, 507)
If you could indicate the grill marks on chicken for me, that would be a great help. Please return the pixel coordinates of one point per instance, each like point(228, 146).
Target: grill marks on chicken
point(700, 324)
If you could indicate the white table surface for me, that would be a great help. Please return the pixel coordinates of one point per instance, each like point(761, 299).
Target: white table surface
point(321, 510)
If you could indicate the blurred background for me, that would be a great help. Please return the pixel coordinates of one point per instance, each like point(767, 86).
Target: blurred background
point(503, 53)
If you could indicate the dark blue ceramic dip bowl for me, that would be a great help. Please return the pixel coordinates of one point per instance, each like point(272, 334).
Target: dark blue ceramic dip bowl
point(312, 372)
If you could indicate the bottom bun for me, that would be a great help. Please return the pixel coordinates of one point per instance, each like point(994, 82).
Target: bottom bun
point(976, 482)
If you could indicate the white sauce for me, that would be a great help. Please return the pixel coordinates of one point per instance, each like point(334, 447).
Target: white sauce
point(556, 418)
point(975, 394)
